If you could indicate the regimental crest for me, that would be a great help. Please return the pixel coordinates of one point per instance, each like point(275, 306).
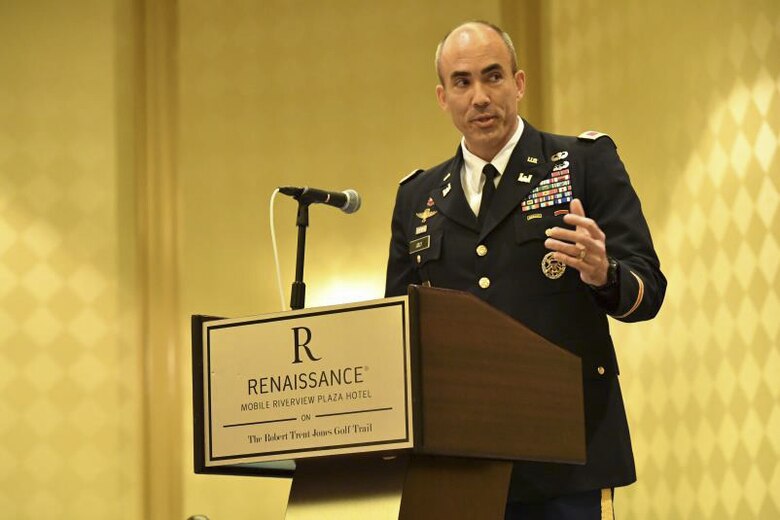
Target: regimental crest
point(552, 268)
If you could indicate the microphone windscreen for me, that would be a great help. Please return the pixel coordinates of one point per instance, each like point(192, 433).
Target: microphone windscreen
point(353, 201)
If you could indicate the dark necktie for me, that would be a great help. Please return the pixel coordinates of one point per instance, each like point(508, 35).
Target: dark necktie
point(488, 191)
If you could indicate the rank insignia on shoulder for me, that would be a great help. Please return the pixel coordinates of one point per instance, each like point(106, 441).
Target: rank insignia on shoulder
point(411, 176)
point(426, 214)
point(591, 135)
point(559, 156)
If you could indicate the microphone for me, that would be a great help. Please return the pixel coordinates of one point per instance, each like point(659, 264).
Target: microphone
point(347, 201)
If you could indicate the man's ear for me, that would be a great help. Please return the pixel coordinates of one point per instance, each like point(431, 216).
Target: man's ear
point(520, 82)
point(441, 97)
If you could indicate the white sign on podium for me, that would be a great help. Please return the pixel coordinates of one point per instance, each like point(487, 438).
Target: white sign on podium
point(320, 381)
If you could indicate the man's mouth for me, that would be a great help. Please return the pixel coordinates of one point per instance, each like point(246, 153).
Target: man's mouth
point(484, 120)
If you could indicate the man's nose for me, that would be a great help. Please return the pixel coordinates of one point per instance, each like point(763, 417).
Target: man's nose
point(481, 97)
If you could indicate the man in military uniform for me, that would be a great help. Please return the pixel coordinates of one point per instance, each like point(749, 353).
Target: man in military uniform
point(546, 228)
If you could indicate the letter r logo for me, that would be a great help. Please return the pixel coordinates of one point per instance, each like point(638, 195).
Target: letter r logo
point(302, 344)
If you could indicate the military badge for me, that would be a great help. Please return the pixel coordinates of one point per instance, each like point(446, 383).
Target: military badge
point(559, 156)
point(430, 202)
point(561, 166)
point(419, 244)
point(552, 268)
point(425, 215)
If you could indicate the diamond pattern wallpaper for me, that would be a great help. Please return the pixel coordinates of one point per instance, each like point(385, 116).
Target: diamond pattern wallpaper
point(691, 93)
point(342, 94)
point(69, 378)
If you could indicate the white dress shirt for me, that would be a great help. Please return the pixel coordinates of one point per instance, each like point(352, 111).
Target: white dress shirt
point(471, 177)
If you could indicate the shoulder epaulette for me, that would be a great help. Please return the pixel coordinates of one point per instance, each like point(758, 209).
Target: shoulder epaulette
point(591, 135)
point(411, 176)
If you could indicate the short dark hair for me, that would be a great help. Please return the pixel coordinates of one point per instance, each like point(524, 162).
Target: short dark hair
point(504, 36)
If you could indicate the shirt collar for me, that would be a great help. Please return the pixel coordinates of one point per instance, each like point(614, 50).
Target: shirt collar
point(475, 164)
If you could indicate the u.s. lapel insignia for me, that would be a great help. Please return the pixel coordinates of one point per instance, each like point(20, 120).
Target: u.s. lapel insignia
point(525, 177)
point(425, 215)
point(446, 177)
point(559, 156)
point(532, 160)
point(552, 268)
point(446, 190)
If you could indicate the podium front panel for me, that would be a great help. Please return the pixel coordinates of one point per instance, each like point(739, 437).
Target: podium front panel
point(322, 381)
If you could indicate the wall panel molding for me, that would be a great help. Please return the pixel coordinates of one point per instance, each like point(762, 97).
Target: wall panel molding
point(157, 222)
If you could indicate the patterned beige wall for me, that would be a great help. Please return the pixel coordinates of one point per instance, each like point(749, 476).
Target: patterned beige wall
point(69, 375)
point(341, 94)
point(690, 91)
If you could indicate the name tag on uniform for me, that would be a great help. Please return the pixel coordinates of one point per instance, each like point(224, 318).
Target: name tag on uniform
point(419, 244)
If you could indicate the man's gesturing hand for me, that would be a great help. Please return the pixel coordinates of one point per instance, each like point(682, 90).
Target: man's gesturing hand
point(583, 248)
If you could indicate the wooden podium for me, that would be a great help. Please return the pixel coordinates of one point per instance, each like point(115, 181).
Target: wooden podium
point(484, 391)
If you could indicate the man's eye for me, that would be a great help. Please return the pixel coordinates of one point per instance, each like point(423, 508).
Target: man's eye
point(460, 82)
point(496, 76)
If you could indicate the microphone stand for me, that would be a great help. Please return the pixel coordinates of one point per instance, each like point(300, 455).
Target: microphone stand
point(298, 294)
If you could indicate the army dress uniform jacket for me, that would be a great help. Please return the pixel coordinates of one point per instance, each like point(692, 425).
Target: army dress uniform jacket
point(437, 240)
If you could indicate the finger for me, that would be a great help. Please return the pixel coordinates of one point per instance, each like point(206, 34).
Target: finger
point(580, 239)
point(585, 224)
point(575, 207)
point(583, 265)
point(567, 248)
